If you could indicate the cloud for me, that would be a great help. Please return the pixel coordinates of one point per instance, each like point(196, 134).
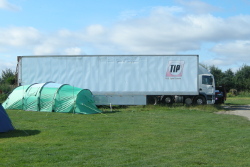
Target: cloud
point(19, 36)
point(231, 51)
point(4, 4)
point(231, 54)
point(7, 64)
point(58, 43)
point(73, 51)
point(164, 30)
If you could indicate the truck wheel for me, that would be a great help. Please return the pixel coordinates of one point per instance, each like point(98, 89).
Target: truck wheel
point(168, 100)
point(188, 101)
point(199, 100)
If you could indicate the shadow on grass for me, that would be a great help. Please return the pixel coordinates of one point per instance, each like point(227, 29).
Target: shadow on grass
point(110, 112)
point(231, 106)
point(219, 106)
point(235, 104)
point(111, 109)
point(19, 133)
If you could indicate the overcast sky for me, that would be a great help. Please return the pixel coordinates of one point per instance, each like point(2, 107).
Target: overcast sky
point(217, 30)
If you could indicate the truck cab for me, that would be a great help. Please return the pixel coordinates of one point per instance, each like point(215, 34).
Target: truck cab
point(205, 93)
point(206, 85)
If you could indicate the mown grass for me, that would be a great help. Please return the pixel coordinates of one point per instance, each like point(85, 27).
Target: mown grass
point(133, 136)
point(237, 100)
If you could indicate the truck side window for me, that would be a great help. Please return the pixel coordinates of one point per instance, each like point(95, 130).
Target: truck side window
point(207, 80)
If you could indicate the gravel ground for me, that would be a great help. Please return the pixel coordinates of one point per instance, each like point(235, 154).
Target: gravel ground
point(243, 110)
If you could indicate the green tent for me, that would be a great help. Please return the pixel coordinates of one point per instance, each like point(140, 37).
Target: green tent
point(52, 97)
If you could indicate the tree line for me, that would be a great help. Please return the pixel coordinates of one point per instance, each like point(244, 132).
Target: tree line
point(7, 83)
point(239, 80)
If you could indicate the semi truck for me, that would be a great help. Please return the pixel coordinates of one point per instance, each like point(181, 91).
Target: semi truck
point(125, 79)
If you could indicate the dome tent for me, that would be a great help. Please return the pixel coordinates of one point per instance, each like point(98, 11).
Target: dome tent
point(5, 122)
point(52, 97)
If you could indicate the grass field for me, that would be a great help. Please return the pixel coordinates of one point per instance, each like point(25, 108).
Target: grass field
point(133, 136)
point(238, 101)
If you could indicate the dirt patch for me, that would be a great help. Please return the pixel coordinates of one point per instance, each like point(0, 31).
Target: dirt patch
point(243, 110)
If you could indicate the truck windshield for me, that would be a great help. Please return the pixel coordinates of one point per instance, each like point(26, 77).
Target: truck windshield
point(207, 80)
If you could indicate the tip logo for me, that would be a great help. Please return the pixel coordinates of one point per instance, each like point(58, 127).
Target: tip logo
point(175, 68)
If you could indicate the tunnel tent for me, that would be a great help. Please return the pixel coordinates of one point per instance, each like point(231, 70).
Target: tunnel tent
point(52, 97)
point(47, 96)
point(15, 99)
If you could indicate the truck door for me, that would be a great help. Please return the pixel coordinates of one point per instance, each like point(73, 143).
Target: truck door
point(207, 85)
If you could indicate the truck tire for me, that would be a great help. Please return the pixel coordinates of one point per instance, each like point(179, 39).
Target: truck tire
point(168, 100)
point(199, 100)
point(188, 101)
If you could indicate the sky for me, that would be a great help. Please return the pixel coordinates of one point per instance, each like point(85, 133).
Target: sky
point(217, 31)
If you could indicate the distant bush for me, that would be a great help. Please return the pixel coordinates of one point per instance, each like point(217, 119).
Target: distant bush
point(244, 94)
point(238, 94)
point(3, 97)
point(5, 90)
point(230, 94)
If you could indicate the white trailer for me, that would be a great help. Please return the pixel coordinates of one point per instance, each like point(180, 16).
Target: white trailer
point(124, 79)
